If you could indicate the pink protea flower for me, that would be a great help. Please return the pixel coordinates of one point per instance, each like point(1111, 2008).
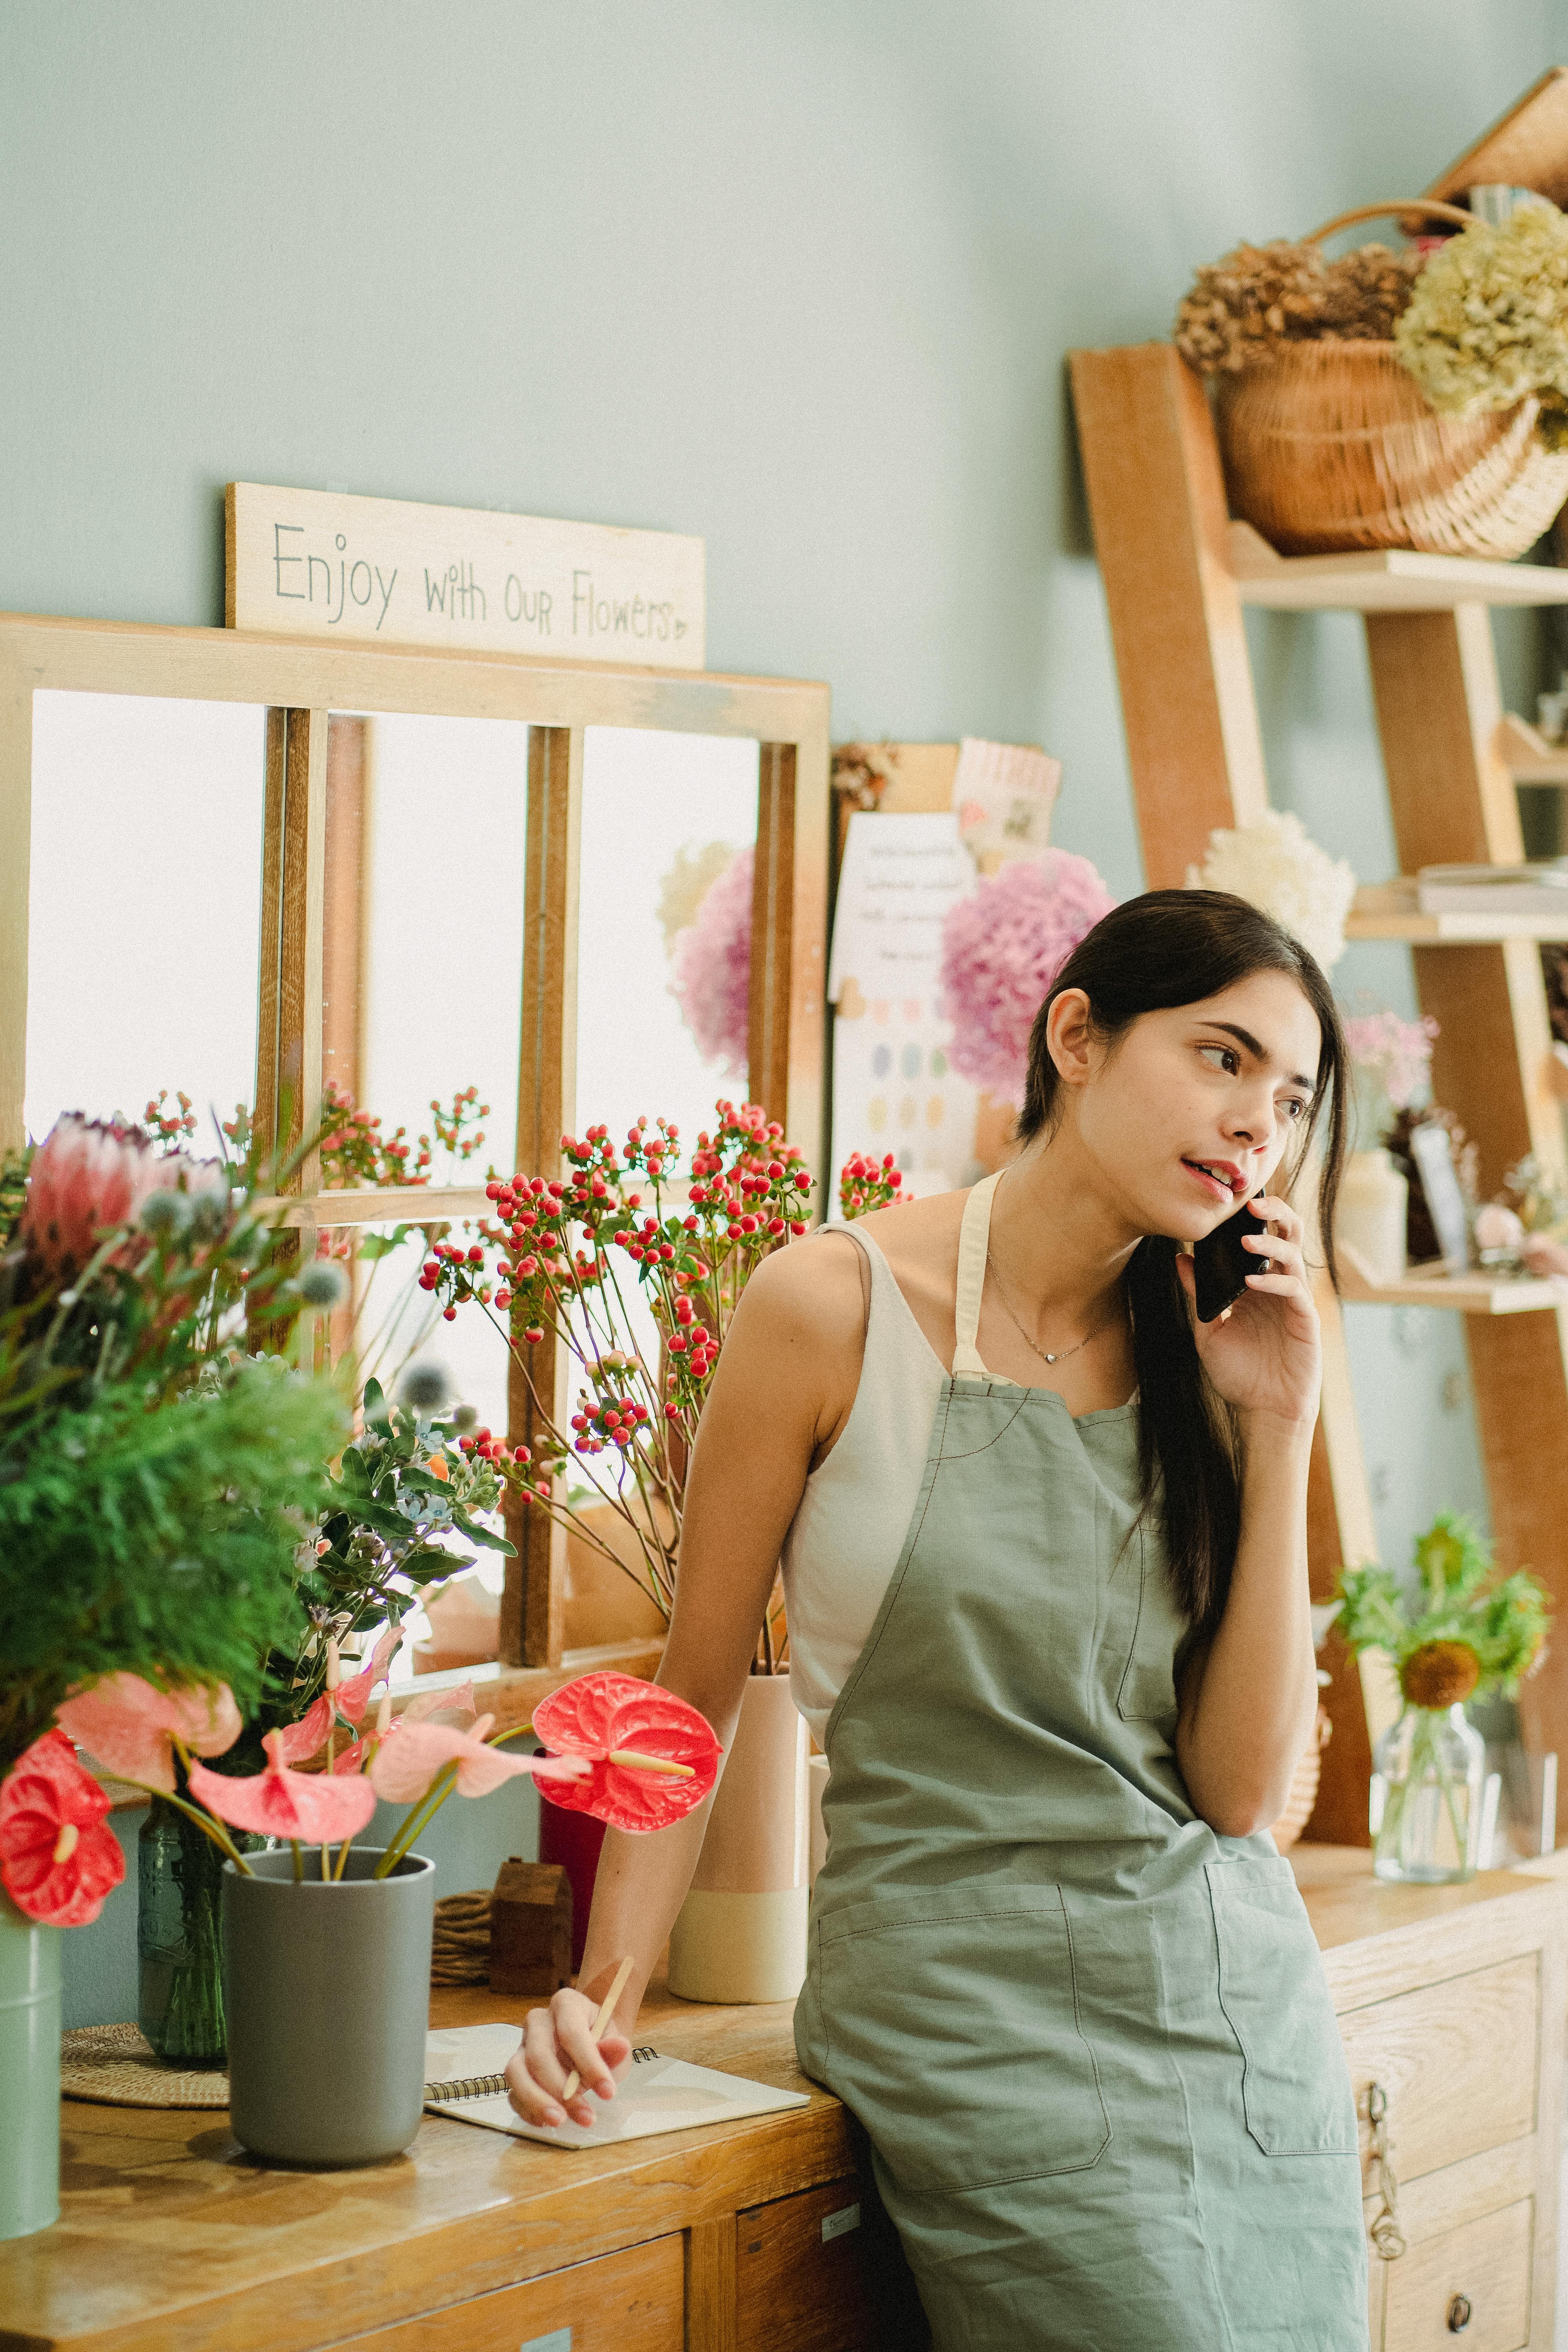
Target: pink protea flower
point(1003, 946)
point(130, 1726)
point(710, 968)
point(88, 1176)
point(58, 1857)
point(314, 1807)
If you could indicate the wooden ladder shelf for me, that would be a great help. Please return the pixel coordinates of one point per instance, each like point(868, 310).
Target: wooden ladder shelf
point(1177, 574)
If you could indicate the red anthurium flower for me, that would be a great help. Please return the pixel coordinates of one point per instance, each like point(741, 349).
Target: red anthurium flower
point(603, 1716)
point(311, 1806)
point(58, 1858)
point(411, 1754)
point(353, 1696)
point(130, 1726)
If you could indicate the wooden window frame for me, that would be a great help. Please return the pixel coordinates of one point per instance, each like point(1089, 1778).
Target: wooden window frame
point(299, 682)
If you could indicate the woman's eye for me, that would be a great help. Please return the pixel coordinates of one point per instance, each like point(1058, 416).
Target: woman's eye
point(1295, 1107)
point(1224, 1057)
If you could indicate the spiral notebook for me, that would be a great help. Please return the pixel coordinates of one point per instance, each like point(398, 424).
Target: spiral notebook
point(463, 2079)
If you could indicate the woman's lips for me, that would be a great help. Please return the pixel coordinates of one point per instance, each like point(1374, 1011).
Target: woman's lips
point(1215, 1187)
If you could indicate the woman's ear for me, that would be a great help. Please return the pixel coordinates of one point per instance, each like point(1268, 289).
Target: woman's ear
point(1070, 1036)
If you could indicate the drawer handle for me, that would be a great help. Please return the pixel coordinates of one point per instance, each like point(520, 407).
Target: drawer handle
point(1387, 2237)
point(1459, 2315)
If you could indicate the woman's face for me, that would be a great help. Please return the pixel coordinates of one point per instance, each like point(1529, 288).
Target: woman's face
point(1193, 1110)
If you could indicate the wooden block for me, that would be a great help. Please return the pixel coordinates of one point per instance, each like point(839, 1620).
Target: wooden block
point(531, 1928)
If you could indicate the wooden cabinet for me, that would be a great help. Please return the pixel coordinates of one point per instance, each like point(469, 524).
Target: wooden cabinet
point(767, 2236)
point(1450, 2002)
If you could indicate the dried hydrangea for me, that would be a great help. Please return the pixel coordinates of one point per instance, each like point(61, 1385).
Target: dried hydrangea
point(1273, 866)
point(1242, 309)
point(1488, 325)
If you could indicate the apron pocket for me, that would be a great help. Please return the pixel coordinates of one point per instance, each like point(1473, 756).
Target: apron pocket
point(1295, 2082)
point(951, 2032)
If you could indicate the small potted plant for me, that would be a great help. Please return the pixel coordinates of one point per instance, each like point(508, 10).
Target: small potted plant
point(1458, 1632)
point(327, 1945)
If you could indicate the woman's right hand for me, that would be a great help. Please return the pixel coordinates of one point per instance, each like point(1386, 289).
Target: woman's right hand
point(554, 2040)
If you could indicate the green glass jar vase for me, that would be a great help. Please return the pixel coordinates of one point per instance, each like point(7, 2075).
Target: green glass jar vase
point(1428, 1777)
point(178, 1942)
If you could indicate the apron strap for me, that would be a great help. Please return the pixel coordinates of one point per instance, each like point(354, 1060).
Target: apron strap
point(974, 1234)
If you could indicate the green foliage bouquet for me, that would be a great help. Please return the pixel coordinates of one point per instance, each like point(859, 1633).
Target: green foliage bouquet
point(156, 1481)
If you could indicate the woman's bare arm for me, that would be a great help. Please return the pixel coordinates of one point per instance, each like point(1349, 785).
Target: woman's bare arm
point(781, 1391)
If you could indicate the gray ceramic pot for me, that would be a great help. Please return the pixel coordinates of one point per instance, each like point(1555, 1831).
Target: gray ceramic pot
point(327, 1992)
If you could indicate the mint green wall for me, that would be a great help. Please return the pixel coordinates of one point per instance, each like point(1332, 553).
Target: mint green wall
point(797, 274)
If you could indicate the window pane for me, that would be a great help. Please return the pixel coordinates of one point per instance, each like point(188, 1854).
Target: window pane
point(669, 823)
point(144, 904)
point(423, 960)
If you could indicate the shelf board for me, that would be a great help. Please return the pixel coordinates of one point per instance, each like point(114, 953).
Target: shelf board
point(1477, 1293)
point(1388, 911)
point(1527, 755)
point(1396, 581)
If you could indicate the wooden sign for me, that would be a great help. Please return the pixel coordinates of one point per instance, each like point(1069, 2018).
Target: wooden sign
point(318, 564)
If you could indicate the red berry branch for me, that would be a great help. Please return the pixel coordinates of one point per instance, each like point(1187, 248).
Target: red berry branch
point(866, 1184)
point(563, 1257)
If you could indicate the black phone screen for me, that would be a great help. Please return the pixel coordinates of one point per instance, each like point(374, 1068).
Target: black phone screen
point(1222, 1265)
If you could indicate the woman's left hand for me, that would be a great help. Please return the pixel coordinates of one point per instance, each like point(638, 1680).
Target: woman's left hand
point(1264, 1354)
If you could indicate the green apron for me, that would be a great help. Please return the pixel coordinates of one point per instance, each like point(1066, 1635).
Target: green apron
point(1090, 2039)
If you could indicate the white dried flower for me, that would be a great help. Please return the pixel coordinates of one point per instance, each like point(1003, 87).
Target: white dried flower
point(1497, 1228)
point(1273, 866)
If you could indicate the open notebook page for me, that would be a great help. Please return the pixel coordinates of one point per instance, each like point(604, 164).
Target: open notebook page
point(657, 2094)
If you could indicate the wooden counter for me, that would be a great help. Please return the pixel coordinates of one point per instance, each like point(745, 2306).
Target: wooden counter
point(173, 2240)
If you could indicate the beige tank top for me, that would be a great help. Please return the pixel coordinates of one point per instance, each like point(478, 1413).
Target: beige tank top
point(844, 1539)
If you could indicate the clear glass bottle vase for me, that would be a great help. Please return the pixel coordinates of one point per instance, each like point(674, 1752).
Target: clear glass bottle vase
point(178, 1943)
point(1428, 1774)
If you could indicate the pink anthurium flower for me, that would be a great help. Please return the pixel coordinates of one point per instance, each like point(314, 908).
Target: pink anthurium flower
point(130, 1726)
point(412, 1754)
point(312, 1807)
point(608, 1719)
point(297, 1742)
point(353, 1696)
point(458, 1702)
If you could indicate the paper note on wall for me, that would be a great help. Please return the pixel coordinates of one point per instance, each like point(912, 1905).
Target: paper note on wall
point(894, 1088)
point(1004, 794)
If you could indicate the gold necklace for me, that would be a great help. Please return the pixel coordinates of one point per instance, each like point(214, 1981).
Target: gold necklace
point(1062, 1353)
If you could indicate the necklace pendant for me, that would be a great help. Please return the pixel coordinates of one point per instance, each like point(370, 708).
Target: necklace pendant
point(1049, 1359)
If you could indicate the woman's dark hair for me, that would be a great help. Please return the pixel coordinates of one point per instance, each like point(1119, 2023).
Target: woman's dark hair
point(1166, 949)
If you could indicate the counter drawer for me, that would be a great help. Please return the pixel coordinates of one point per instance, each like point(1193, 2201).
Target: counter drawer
point(1458, 2060)
point(824, 2272)
point(630, 2302)
point(1484, 2265)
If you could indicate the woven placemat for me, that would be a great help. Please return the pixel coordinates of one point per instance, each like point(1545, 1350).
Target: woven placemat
point(113, 2065)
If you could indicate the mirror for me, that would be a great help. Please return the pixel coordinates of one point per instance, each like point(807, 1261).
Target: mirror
point(144, 904)
point(423, 929)
point(670, 825)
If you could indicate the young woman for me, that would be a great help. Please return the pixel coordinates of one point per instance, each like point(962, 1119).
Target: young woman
point(1044, 1543)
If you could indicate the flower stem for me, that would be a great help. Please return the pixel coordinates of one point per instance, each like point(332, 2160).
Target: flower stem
point(205, 1823)
point(430, 1803)
point(299, 1862)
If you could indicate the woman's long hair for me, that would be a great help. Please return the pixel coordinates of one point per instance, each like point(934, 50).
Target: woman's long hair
point(1166, 949)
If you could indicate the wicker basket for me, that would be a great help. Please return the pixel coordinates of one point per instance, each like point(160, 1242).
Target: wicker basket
point(1304, 1781)
point(1334, 448)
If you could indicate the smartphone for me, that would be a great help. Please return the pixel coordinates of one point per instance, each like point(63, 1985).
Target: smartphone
point(1222, 1265)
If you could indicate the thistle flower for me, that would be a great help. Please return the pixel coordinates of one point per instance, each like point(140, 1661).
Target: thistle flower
point(322, 1285)
point(1273, 866)
point(425, 1386)
point(1003, 946)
